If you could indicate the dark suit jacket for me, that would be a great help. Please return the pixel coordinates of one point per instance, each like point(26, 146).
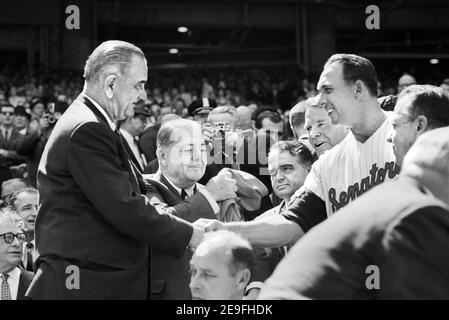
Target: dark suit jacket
point(266, 259)
point(24, 282)
point(32, 146)
point(170, 276)
point(13, 159)
point(94, 216)
point(147, 142)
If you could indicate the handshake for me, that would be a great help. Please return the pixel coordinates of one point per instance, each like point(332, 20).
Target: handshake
point(202, 226)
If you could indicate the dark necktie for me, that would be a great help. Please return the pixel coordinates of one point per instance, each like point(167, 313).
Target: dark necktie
point(184, 194)
point(5, 290)
point(29, 253)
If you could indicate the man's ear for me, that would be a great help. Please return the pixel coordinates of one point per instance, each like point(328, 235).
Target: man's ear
point(161, 157)
point(422, 124)
point(358, 87)
point(243, 279)
point(109, 83)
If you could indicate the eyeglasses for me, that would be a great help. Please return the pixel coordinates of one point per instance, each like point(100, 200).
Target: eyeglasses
point(9, 237)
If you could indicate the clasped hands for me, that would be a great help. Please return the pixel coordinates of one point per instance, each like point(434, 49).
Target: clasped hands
point(200, 227)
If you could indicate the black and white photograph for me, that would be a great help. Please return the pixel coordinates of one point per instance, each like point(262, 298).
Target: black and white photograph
point(238, 151)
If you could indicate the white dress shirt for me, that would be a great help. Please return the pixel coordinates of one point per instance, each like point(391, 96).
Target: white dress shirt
point(134, 148)
point(13, 281)
point(191, 190)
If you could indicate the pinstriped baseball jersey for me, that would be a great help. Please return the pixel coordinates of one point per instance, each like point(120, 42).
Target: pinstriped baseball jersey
point(351, 168)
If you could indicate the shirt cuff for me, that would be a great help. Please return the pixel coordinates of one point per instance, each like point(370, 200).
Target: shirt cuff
point(211, 200)
point(254, 285)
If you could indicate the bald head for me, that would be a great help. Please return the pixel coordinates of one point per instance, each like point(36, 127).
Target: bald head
point(428, 161)
point(221, 267)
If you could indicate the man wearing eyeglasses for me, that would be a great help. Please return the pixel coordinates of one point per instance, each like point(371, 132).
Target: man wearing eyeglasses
point(419, 108)
point(10, 138)
point(13, 281)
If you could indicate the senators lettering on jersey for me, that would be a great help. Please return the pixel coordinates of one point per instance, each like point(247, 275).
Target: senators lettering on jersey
point(342, 174)
point(377, 176)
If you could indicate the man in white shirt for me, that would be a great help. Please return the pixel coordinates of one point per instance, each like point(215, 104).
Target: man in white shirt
point(131, 129)
point(13, 281)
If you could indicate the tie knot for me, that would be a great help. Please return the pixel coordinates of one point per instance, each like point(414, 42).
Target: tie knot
point(5, 276)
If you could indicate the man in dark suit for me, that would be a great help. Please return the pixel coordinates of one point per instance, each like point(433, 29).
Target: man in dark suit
point(289, 162)
point(14, 281)
point(95, 225)
point(181, 152)
point(10, 139)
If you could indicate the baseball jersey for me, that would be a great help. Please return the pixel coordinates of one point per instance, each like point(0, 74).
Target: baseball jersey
point(344, 173)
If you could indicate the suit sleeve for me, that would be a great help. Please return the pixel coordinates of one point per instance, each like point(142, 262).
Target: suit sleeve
point(415, 264)
point(95, 165)
point(192, 209)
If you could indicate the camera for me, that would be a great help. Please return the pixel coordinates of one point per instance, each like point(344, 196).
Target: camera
point(51, 116)
point(221, 128)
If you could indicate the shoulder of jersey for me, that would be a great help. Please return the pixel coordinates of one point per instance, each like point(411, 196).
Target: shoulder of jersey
point(336, 151)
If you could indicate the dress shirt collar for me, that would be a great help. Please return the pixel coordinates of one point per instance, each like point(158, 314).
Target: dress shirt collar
point(108, 119)
point(189, 191)
point(128, 137)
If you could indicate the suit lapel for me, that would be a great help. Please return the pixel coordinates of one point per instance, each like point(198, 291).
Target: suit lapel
point(22, 286)
point(175, 192)
point(131, 155)
point(138, 186)
point(6, 143)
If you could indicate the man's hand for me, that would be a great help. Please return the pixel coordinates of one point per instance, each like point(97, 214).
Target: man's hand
point(209, 225)
point(43, 122)
point(208, 132)
point(3, 153)
point(197, 237)
point(222, 187)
